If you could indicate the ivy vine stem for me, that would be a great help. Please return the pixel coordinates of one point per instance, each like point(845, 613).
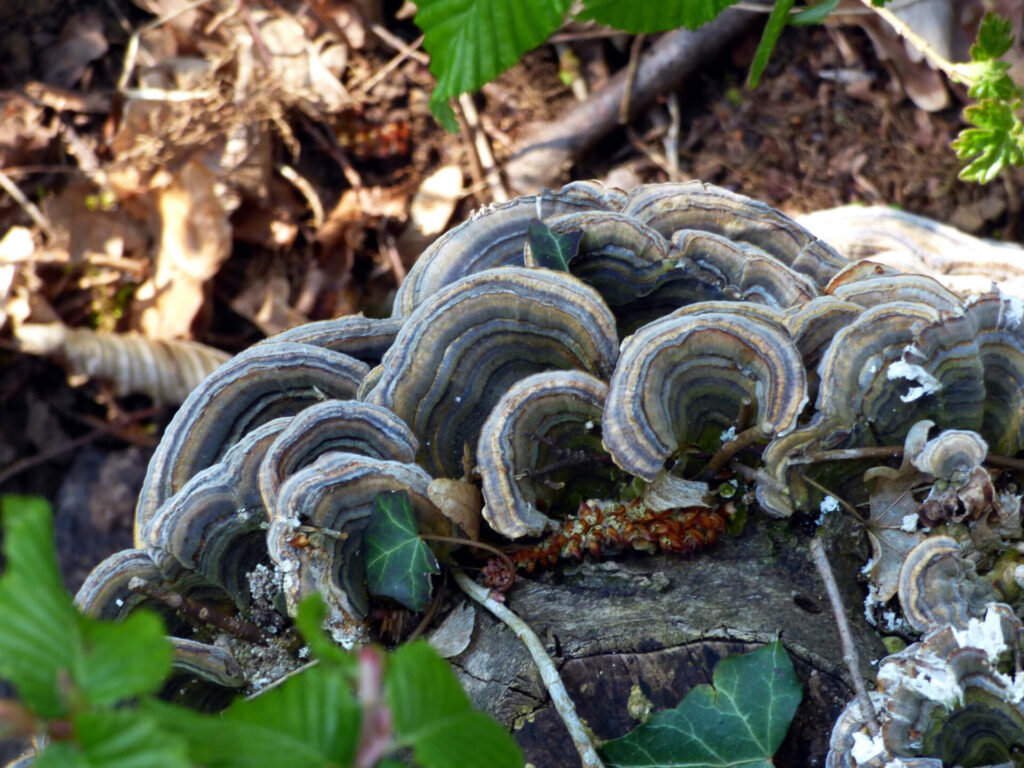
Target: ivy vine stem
point(552, 681)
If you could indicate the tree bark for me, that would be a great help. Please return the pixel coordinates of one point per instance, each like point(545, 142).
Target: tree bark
point(641, 629)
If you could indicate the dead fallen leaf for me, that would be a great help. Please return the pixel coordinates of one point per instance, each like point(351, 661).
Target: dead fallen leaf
point(458, 501)
point(195, 239)
point(430, 210)
point(81, 42)
point(454, 633)
point(264, 301)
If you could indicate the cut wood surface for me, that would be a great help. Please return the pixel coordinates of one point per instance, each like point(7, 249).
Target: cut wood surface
point(648, 628)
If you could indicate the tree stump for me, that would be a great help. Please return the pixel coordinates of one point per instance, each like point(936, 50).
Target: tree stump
point(632, 635)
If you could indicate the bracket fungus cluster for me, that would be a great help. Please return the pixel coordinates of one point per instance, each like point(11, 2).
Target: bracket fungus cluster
point(694, 330)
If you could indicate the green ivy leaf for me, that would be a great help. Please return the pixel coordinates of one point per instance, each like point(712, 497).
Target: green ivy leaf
point(116, 739)
point(550, 250)
point(813, 14)
point(739, 722)
point(996, 142)
point(398, 563)
point(310, 721)
point(653, 15)
point(433, 715)
point(310, 620)
point(770, 36)
point(471, 42)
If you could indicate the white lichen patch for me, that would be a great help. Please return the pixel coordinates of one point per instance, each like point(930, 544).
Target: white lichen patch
point(727, 435)
point(828, 505)
point(865, 748)
point(930, 677)
point(926, 383)
point(909, 522)
point(986, 635)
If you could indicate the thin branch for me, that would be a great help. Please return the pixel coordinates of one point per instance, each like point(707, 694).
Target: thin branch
point(26, 205)
point(867, 710)
point(627, 92)
point(483, 149)
point(316, 207)
point(559, 696)
point(53, 452)
point(200, 613)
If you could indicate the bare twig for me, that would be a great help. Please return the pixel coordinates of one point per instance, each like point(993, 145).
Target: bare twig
point(316, 207)
point(27, 205)
point(200, 613)
point(400, 45)
point(369, 84)
point(627, 92)
point(556, 688)
point(483, 149)
point(867, 710)
point(54, 451)
point(549, 148)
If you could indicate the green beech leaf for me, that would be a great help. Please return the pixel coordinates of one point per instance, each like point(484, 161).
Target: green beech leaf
point(553, 251)
point(813, 14)
point(310, 721)
point(770, 36)
point(398, 563)
point(38, 623)
point(739, 722)
point(471, 42)
point(116, 739)
point(58, 659)
point(121, 660)
point(433, 715)
point(310, 620)
point(653, 15)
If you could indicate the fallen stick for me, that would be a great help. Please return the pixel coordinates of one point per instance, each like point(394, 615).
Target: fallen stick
point(549, 149)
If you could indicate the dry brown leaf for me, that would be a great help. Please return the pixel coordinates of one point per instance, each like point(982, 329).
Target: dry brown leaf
point(88, 231)
point(167, 371)
point(25, 132)
point(264, 301)
point(358, 206)
point(195, 239)
point(454, 633)
point(460, 502)
point(430, 210)
point(893, 511)
point(81, 42)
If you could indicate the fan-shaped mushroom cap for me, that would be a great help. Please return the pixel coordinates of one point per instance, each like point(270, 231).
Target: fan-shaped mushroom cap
point(263, 383)
point(695, 205)
point(540, 418)
point(364, 338)
point(680, 377)
point(937, 587)
point(952, 455)
point(335, 496)
point(492, 237)
point(462, 349)
point(346, 426)
point(872, 291)
point(752, 273)
point(999, 323)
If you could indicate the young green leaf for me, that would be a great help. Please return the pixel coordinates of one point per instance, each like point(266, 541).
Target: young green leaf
point(550, 250)
point(117, 661)
point(116, 739)
point(310, 620)
point(653, 15)
point(995, 36)
point(310, 721)
point(433, 715)
point(770, 36)
point(56, 658)
point(38, 621)
point(739, 722)
point(813, 14)
point(996, 142)
point(398, 563)
point(471, 42)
